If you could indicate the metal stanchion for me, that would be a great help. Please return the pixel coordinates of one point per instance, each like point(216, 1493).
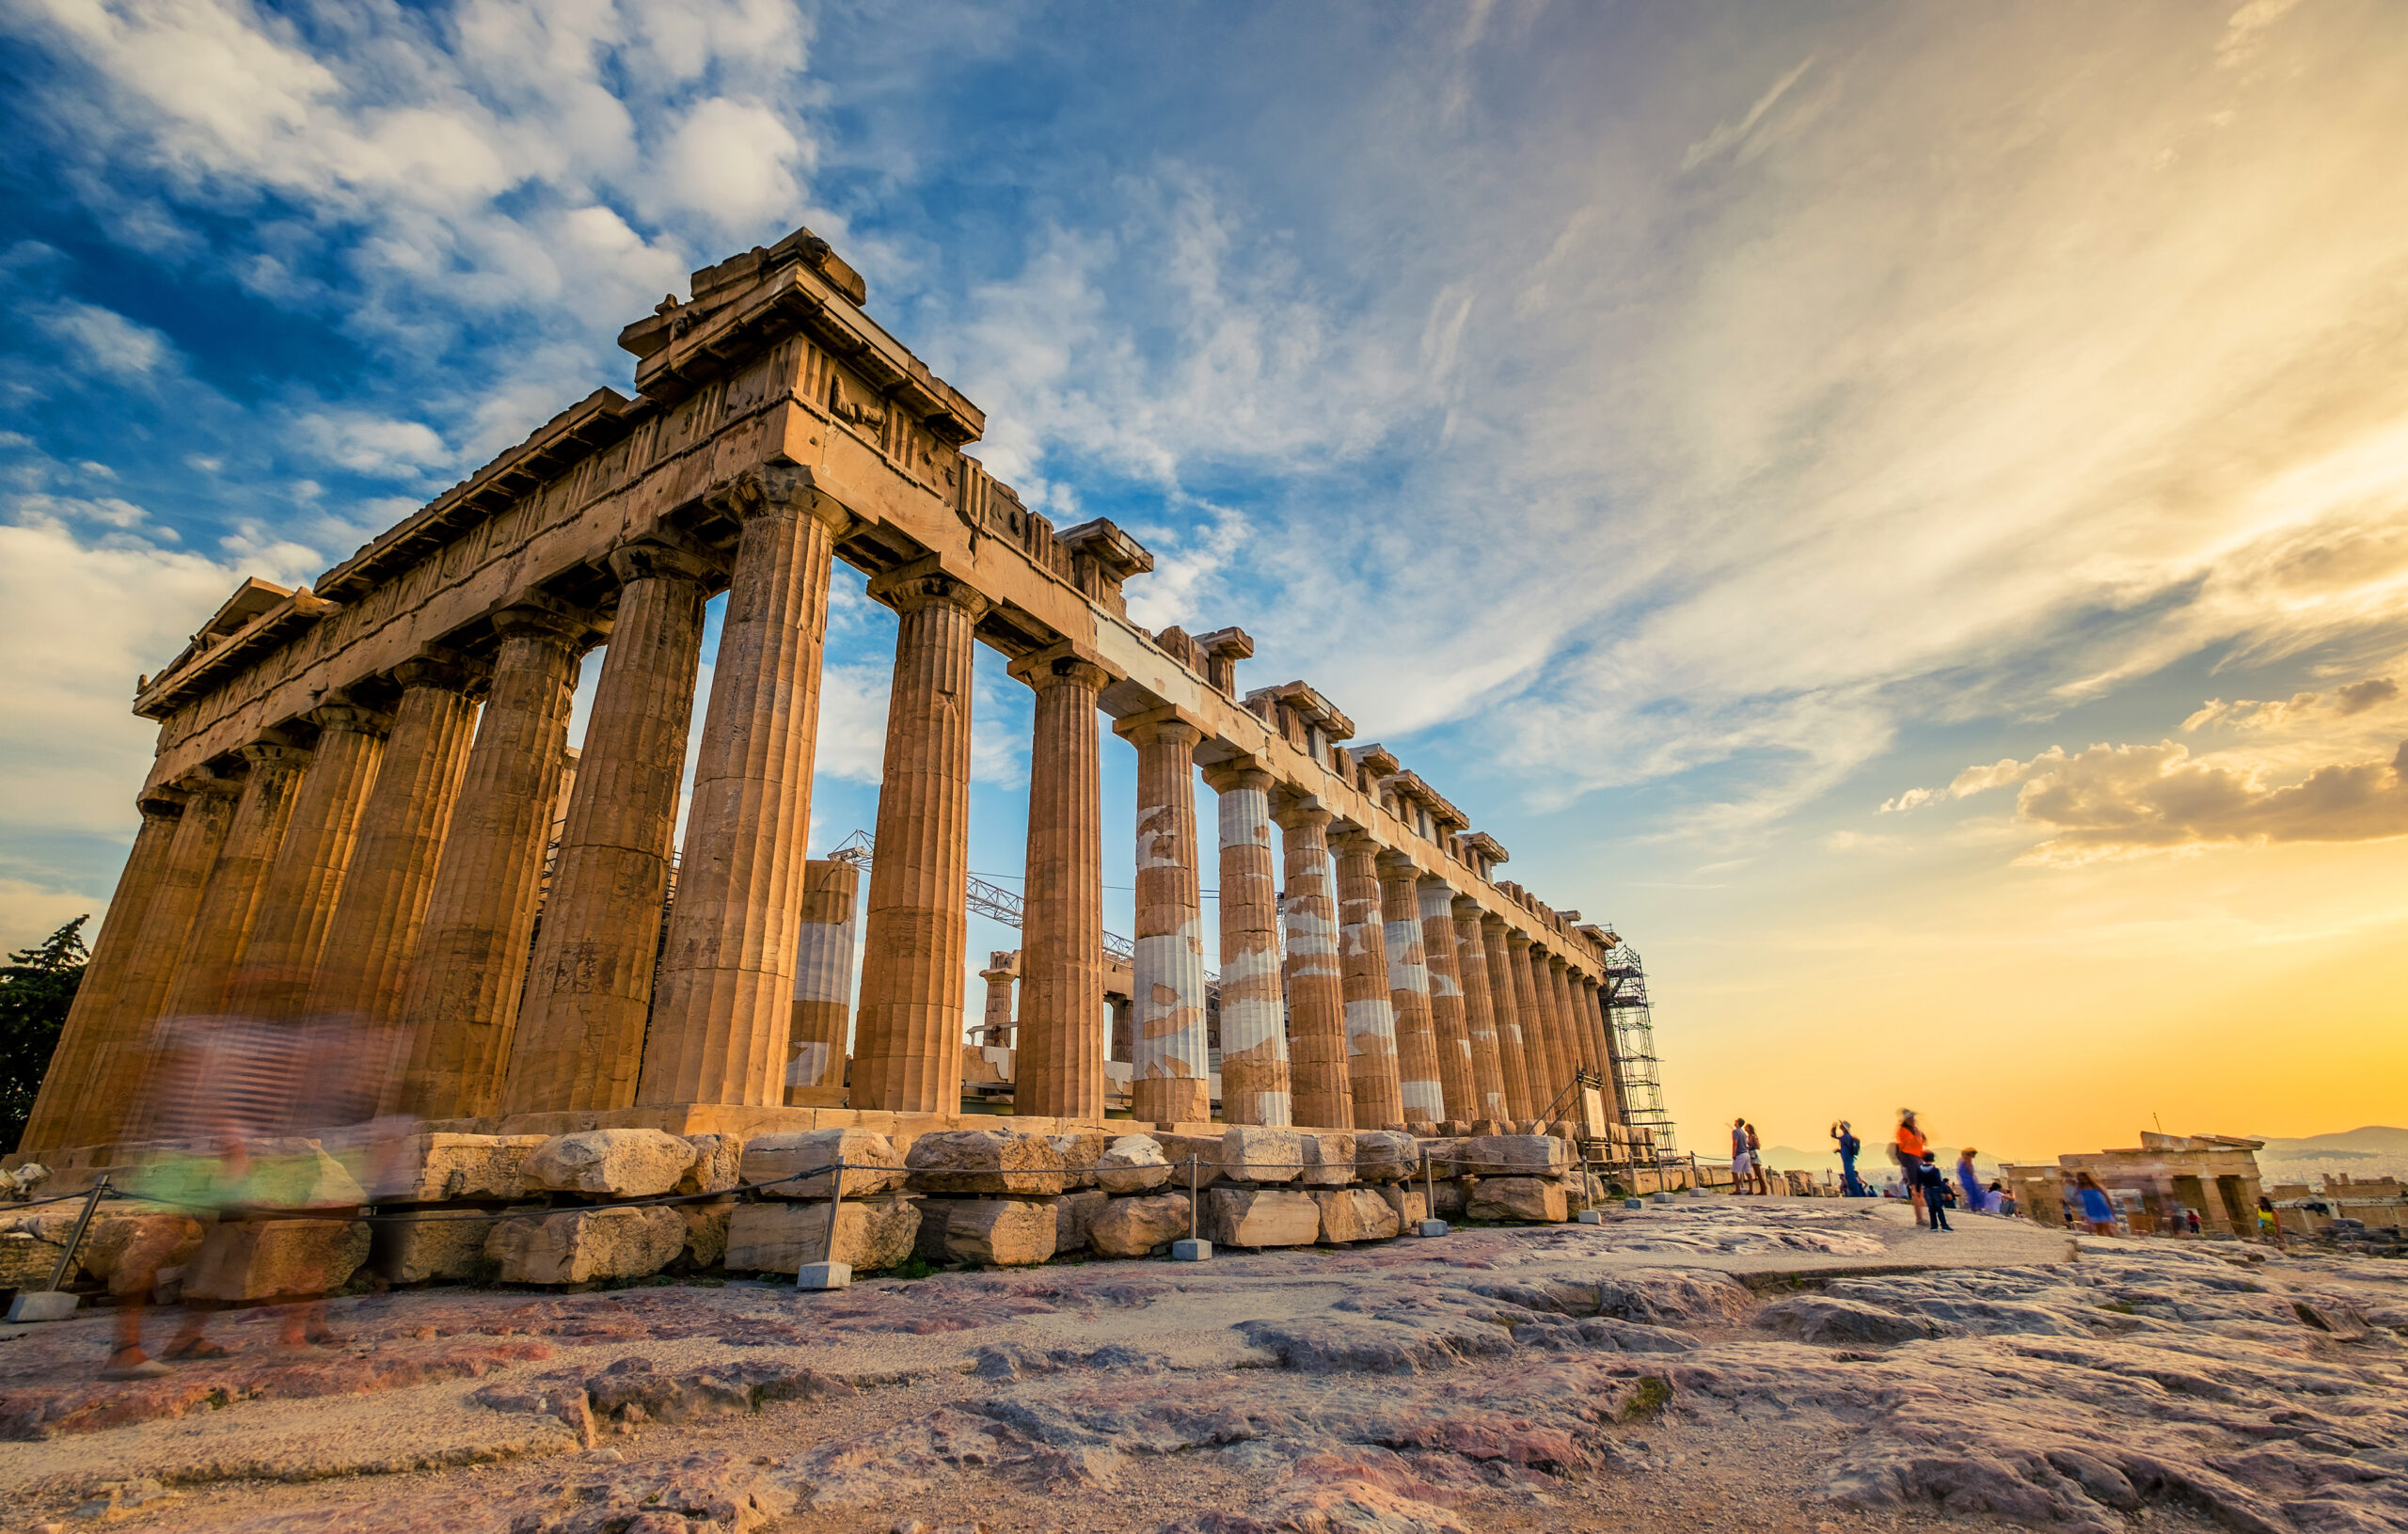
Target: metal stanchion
point(1195, 1248)
point(1430, 1224)
point(828, 1273)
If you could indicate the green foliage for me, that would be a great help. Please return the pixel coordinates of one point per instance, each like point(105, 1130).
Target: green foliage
point(37, 987)
point(1648, 1401)
point(914, 1266)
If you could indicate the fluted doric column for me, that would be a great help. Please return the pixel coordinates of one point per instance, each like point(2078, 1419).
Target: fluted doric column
point(1173, 1064)
point(1607, 1048)
point(120, 1066)
point(907, 1048)
point(1374, 1080)
point(384, 891)
point(1512, 1043)
point(221, 931)
point(1446, 1019)
point(1057, 1062)
point(1480, 1016)
point(1555, 992)
point(461, 999)
point(305, 882)
point(1541, 1058)
point(721, 1015)
point(1257, 1086)
point(1311, 971)
point(113, 947)
point(823, 973)
point(580, 1040)
point(1417, 1037)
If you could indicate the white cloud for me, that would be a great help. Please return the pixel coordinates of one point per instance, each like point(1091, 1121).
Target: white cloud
point(108, 340)
point(366, 444)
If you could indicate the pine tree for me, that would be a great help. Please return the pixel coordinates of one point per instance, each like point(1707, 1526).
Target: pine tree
point(37, 987)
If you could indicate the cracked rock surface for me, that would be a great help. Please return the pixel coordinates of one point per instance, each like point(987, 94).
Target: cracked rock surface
point(1815, 1365)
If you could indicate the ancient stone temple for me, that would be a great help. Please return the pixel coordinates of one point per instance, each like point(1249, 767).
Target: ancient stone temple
point(362, 804)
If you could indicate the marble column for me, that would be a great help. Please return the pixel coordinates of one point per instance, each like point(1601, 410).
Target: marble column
point(1173, 1064)
point(384, 891)
point(580, 1034)
point(1566, 1017)
point(221, 932)
point(1448, 1021)
point(1256, 1082)
point(1512, 1043)
point(907, 1045)
point(1416, 1037)
point(823, 974)
point(305, 882)
point(1001, 974)
point(71, 1062)
point(1057, 1062)
point(460, 1002)
point(120, 1066)
point(722, 1011)
point(1607, 1048)
point(1374, 1077)
point(1542, 1060)
point(1312, 972)
point(1479, 1015)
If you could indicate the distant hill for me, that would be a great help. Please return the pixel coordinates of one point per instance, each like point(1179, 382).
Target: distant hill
point(2373, 1140)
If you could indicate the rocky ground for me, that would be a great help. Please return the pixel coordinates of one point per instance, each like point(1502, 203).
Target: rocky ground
point(1801, 1365)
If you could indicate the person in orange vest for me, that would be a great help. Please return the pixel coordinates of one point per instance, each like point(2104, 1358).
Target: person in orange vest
point(1908, 1149)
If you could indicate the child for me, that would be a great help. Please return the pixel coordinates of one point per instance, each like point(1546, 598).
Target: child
point(1934, 1184)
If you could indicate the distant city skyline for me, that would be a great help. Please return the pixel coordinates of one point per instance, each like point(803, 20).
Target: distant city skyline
point(1902, 512)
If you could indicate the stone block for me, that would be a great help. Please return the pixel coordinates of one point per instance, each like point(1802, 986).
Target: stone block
point(140, 1246)
point(985, 1162)
point(706, 1230)
point(576, 1247)
point(1516, 1155)
point(1131, 1227)
point(929, 1241)
point(1072, 1213)
point(1249, 1154)
point(259, 1259)
point(418, 1251)
point(1385, 1155)
point(1134, 1164)
point(1405, 1201)
point(871, 1235)
point(1445, 1152)
point(431, 1168)
point(1261, 1217)
point(1080, 1150)
point(1447, 1198)
point(1355, 1214)
point(1563, 1129)
point(608, 1164)
point(1177, 1148)
point(719, 1161)
point(999, 1232)
point(774, 1158)
point(26, 1260)
point(43, 1305)
point(1328, 1158)
point(1538, 1199)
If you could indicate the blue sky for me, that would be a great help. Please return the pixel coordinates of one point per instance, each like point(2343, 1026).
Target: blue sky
point(1681, 431)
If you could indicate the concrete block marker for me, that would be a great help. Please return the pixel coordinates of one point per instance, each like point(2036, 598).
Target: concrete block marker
point(43, 1305)
point(823, 1276)
point(1640, 1204)
point(1433, 1227)
point(1190, 1250)
point(1588, 1217)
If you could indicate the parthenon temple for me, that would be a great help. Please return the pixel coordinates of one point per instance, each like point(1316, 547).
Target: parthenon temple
point(363, 805)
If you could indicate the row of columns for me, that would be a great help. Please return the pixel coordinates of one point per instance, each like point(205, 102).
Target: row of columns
point(392, 872)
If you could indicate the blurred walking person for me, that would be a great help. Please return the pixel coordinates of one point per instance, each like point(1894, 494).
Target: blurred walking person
point(1907, 1147)
point(2097, 1210)
point(1977, 1202)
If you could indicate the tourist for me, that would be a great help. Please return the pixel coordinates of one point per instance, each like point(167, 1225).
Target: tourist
point(2001, 1200)
point(1971, 1181)
point(2191, 1220)
point(1850, 1146)
point(2270, 1224)
point(1740, 1160)
point(1908, 1150)
point(1757, 1161)
point(2097, 1210)
point(1934, 1184)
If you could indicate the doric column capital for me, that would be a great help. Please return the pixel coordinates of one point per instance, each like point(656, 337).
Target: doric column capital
point(1515, 938)
point(207, 780)
point(164, 802)
point(530, 622)
point(1396, 868)
point(1057, 665)
point(1158, 727)
point(444, 671)
point(273, 749)
point(647, 559)
point(781, 490)
point(1243, 773)
point(344, 715)
point(1467, 909)
point(1350, 840)
point(923, 584)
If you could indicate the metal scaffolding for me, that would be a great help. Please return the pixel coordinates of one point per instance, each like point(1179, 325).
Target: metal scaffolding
point(1643, 1088)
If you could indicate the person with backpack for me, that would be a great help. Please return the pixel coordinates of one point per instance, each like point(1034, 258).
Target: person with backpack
point(1934, 1184)
point(1851, 1148)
